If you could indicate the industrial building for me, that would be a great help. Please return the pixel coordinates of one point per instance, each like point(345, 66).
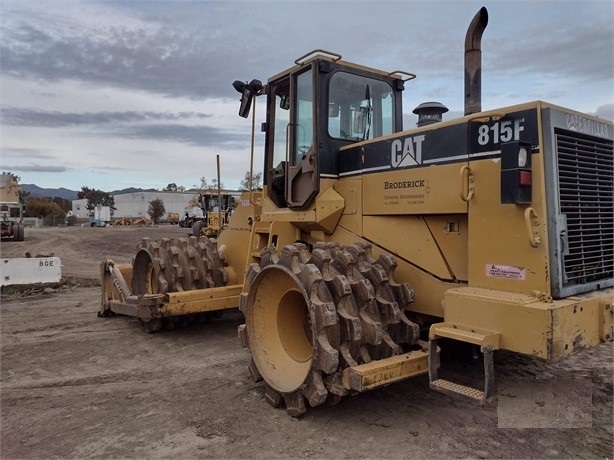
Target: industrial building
point(135, 204)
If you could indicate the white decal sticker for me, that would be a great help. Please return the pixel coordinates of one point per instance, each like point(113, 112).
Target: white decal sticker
point(505, 271)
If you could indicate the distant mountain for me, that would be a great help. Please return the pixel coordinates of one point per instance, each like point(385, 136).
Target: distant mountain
point(35, 190)
point(137, 190)
point(132, 190)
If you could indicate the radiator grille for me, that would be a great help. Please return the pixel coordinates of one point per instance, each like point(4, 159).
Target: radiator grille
point(586, 187)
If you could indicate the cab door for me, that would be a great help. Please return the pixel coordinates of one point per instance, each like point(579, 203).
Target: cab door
point(302, 181)
point(291, 149)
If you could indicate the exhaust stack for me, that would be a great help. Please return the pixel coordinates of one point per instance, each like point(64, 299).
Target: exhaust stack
point(473, 62)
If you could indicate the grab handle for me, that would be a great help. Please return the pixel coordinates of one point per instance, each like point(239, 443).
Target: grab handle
point(466, 183)
point(531, 223)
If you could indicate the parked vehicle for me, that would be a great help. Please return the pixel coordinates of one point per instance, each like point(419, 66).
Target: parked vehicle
point(101, 216)
point(11, 210)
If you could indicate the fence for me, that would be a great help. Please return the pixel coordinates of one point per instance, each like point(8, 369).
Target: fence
point(55, 221)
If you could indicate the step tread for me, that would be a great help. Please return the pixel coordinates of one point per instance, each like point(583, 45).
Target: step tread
point(451, 387)
point(463, 333)
point(457, 331)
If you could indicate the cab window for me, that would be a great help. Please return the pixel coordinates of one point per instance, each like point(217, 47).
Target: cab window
point(280, 119)
point(359, 107)
point(303, 116)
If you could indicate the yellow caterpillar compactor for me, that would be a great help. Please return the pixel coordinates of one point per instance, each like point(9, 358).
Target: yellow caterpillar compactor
point(369, 243)
point(216, 213)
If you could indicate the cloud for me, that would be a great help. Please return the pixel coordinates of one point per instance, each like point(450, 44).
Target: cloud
point(33, 167)
point(194, 135)
point(54, 119)
point(606, 111)
point(126, 125)
point(149, 55)
point(198, 50)
point(574, 52)
point(18, 152)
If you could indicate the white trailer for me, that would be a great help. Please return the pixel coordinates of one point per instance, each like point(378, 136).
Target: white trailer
point(101, 216)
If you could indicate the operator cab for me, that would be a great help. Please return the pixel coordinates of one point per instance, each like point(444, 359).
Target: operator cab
point(315, 108)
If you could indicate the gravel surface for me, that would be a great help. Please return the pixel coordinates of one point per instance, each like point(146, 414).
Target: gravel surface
point(73, 385)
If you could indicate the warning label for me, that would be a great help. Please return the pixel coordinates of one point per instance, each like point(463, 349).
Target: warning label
point(505, 271)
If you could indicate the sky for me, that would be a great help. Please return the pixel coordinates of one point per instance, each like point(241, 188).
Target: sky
point(117, 94)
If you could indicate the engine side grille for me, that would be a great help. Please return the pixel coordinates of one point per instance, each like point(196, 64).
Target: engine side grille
point(586, 187)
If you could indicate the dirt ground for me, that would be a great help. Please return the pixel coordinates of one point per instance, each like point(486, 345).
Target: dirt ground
point(73, 385)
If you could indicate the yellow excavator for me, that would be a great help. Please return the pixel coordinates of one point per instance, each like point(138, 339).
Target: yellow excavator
point(370, 243)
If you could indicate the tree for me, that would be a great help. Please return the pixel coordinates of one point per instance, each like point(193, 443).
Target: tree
point(256, 182)
point(205, 187)
point(46, 209)
point(156, 210)
point(84, 192)
point(23, 196)
point(203, 184)
point(63, 203)
point(172, 187)
point(97, 198)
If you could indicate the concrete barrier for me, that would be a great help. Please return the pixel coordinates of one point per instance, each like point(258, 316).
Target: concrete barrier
point(30, 270)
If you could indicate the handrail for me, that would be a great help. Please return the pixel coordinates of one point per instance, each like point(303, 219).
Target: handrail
point(402, 72)
point(335, 56)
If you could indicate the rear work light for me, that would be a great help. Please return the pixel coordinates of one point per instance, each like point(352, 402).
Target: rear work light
point(516, 176)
